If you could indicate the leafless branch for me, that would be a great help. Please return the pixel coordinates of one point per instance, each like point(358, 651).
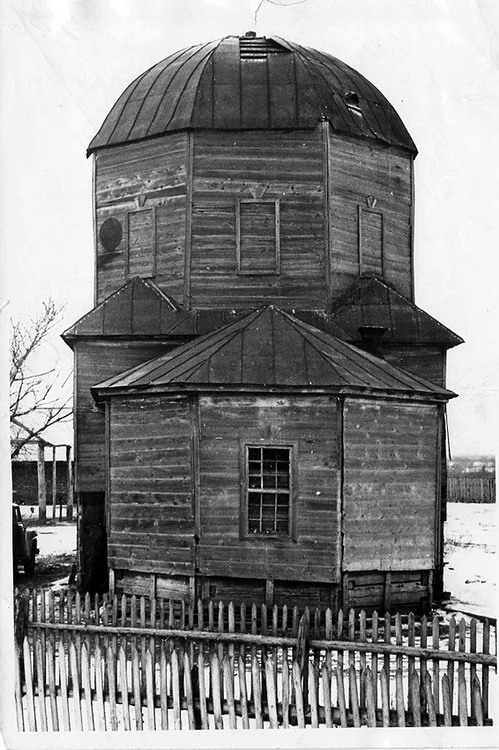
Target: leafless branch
point(33, 397)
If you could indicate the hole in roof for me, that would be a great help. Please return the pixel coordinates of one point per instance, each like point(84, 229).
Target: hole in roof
point(352, 99)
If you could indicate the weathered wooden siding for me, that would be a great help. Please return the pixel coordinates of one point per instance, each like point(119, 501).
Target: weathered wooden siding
point(424, 361)
point(361, 171)
point(96, 361)
point(224, 423)
point(150, 507)
point(390, 486)
point(398, 590)
point(283, 166)
point(139, 176)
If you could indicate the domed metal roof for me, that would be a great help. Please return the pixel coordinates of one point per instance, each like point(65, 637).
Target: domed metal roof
point(250, 83)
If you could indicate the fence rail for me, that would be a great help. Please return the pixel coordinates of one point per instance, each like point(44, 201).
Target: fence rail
point(139, 663)
point(471, 489)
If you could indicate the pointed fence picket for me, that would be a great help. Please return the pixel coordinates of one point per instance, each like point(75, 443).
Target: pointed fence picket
point(134, 663)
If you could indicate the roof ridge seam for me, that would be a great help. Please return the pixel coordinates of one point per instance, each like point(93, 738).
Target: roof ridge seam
point(306, 334)
point(173, 76)
point(184, 348)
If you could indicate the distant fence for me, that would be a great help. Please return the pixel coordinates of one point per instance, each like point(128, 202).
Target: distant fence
point(138, 663)
point(471, 489)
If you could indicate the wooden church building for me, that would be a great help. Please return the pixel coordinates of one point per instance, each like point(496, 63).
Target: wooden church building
point(259, 402)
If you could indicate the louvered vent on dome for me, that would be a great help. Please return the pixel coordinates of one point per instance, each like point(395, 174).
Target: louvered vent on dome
point(258, 47)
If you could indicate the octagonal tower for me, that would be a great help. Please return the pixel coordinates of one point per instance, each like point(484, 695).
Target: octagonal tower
point(251, 170)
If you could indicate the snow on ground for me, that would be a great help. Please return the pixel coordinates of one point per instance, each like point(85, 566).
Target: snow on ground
point(59, 539)
point(470, 558)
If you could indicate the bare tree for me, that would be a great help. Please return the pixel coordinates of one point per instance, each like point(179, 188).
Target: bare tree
point(35, 400)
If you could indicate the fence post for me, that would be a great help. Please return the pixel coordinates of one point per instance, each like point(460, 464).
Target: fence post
point(196, 697)
point(302, 652)
point(21, 631)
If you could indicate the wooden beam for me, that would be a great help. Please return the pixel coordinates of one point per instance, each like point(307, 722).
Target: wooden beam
point(340, 540)
point(188, 224)
point(54, 482)
point(194, 413)
point(112, 581)
point(192, 589)
point(69, 485)
point(438, 561)
point(269, 593)
point(42, 489)
point(345, 603)
point(412, 220)
point(387, 596)
point(326, 162)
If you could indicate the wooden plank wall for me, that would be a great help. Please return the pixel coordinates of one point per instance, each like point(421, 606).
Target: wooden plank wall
point(224, 423)
point(151, 522)
point(138, 176)
point(358, 170)
point(96, 361)
point(390, 488)
point(427, 362)
point(284, 166)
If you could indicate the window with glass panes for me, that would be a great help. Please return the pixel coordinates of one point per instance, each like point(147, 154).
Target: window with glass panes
point(268, 476)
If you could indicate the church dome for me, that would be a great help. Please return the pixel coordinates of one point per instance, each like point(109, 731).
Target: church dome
point(251, 83)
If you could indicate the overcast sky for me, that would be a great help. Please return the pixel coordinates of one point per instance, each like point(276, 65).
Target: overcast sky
point(65, 62)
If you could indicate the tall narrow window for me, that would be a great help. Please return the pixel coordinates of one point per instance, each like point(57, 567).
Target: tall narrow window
point(268, 490)
point(258, 237)
point(141, 240)
point(370, 241)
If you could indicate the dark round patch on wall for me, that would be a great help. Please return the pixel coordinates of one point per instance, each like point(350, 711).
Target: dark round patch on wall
point(111, 234)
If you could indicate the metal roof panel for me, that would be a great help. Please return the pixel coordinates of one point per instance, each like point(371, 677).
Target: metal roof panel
point(272, 348)
point(245, 83)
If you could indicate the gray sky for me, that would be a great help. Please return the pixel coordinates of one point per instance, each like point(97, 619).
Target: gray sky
point(65, 62)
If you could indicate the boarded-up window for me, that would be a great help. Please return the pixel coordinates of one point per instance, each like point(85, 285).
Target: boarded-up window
point(258, 237)
point(268, 490)
point(141, 243)
point(370, 242)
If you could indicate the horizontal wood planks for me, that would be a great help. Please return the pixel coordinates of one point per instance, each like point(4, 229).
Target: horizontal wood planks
point(288, 167)
point(390, 488)
point(367, 590)
point(151, 510)
point(96, 361)
point(277, 165)
point(424, 361)
point(361, 172)
point(142, 176)
point(226, 423)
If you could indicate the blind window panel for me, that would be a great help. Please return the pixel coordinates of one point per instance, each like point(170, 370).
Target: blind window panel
point(370, 242)
point(141, 243)
point(258, 237)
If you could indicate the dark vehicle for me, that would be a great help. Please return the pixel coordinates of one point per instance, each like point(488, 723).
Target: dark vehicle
point(24, 543)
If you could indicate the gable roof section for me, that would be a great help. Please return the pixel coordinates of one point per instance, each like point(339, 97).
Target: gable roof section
point(270, 348)
point(139, 308)
point(372, 302)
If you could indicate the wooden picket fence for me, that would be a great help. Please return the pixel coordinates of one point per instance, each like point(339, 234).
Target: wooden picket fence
point(471, 489)
point(138, 663)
